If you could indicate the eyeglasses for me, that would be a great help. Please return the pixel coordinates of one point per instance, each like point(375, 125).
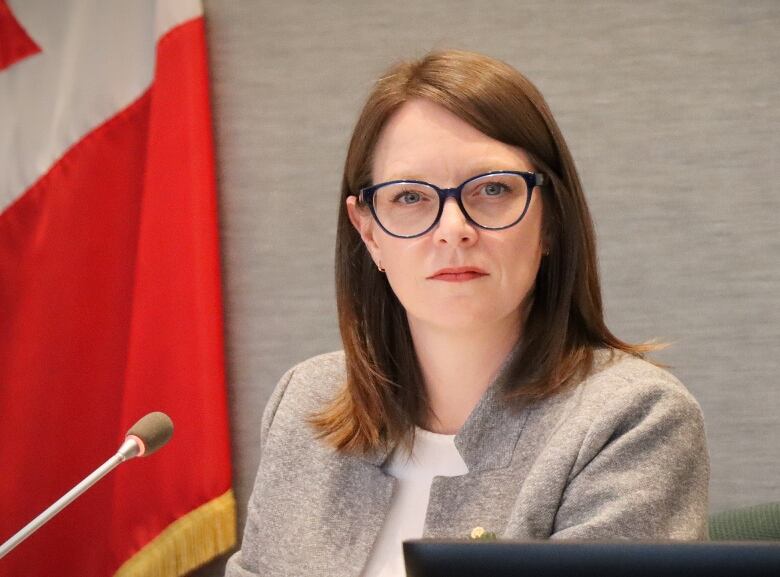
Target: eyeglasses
point(492, 201)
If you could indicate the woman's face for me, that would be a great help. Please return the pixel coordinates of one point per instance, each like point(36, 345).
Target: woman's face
point(424, 141)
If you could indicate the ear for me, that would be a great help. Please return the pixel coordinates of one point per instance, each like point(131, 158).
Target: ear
point(363, 221)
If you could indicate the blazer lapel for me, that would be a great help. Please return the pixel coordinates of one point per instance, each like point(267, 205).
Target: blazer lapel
point(357, 498)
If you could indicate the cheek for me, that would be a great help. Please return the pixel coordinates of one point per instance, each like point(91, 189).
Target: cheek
point(402, 258)
point(525, 268)
point(520, 254)
point(404, 261)
point(519, 265)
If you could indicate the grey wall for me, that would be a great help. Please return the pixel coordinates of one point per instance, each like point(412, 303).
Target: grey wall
point(672, 110)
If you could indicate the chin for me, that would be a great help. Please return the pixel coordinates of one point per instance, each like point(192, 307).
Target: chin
point(458, 317)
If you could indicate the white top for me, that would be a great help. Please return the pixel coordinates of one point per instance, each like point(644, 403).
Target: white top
point(433, 455)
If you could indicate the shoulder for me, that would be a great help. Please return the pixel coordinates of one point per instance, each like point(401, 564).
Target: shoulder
point(623, 397)
point(317, 378)
point(629, 402)
point(620, 393)
point(326, 366)
point(625, 383)
point(306, 387)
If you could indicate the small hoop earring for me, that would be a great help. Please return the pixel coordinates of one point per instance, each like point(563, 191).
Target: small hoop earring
point(379, 266)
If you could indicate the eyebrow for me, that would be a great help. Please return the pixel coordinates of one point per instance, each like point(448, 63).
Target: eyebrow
point(482, 170)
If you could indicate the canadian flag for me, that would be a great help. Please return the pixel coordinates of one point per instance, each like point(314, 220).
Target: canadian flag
point(110, 298)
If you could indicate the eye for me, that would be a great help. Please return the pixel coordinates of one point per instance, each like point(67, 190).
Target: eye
point(408, 197)
point(494, 188)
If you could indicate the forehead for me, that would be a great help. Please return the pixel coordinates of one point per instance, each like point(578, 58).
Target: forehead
point(423, 140)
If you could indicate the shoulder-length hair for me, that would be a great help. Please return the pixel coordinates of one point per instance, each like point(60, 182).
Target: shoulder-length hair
point(384, 394)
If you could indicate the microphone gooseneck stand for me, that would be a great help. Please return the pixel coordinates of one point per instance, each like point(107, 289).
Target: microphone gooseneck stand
point(129, 449)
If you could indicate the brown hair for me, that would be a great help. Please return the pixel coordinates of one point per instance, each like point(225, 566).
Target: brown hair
point(384, 397)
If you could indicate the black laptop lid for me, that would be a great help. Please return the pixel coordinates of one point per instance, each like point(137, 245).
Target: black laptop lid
point(449, 558)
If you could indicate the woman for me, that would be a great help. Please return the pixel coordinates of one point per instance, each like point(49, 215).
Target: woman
point(479, 388)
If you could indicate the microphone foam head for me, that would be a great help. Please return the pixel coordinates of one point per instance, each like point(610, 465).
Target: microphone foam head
point(154, 430)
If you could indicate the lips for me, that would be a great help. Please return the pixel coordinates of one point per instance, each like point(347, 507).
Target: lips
point(458, 274)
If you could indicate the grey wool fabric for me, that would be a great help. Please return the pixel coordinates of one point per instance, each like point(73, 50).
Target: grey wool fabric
point(620, 455)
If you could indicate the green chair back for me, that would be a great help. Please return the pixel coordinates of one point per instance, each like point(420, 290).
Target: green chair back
point(757, 523)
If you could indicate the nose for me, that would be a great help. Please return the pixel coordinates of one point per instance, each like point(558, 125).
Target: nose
point(454, 228)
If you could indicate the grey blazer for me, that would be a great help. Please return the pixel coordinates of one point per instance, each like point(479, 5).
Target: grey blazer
point(621, 455)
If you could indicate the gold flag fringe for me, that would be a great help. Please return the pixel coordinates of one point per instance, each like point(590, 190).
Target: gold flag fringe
point(188, 542)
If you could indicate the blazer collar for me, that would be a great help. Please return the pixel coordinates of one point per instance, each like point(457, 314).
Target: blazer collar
point(488, 437)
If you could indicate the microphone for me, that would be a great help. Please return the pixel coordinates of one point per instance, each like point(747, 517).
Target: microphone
point(148, 435)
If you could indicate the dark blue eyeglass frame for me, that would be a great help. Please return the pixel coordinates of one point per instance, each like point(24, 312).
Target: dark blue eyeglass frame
point(532, 180)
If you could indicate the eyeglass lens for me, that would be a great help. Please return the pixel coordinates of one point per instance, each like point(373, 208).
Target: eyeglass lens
point(492, 201)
